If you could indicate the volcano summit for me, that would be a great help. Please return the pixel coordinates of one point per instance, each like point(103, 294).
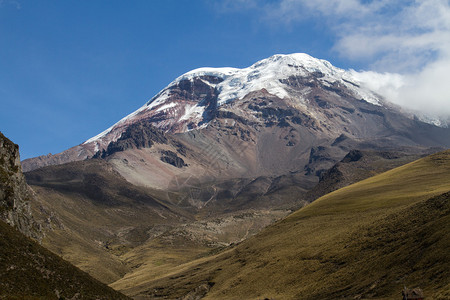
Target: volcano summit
point(282, 114)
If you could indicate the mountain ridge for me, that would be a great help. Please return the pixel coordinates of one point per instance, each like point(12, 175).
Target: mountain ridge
point(310, 87)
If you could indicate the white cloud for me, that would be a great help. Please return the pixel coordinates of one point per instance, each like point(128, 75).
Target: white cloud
point(387, 84)
point(417, 44)
point(425, 92)
point(379, 30)
point(429, 90)
point(410, 37)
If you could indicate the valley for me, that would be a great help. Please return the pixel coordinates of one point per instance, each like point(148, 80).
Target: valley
point(364, 241)
point(27, 269)
point(288, 179)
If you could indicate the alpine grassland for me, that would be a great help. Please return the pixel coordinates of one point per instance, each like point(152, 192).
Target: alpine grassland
point(364, 241)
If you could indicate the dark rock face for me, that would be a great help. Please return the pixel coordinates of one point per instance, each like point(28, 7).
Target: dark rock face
point(194, 92)
point(172, 159)
point(339, 140)
point(353, 155)
point(230, 115)
point(15, 195)
point(196, 89)
point(275, 112)
point(136, 136)
point(358, 165)
point(318, 155)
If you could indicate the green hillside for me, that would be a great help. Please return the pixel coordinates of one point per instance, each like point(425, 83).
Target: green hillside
point(365, 241)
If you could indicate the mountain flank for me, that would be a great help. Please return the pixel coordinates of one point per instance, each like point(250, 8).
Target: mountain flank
point(363, 241)
point(282, 114)
point(221, 153)
point(361, 164)
point(94, 214)
point(15, 195)
point(28, 270)
point(108, 227)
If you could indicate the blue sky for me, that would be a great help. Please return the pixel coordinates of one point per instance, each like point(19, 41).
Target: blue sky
point(70, 69)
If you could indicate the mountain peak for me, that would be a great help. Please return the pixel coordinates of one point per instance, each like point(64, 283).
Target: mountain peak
point(287, 102)
point(266, 74)
point(297, 60)
point(186, 102)
point(285, 91)
point(294, 60)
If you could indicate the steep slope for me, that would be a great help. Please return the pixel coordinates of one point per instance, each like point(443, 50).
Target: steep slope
point(106, 226)
point(366, 240)
point(358, 165)
point(91, 215)
point(15, 195)
point(29, 271)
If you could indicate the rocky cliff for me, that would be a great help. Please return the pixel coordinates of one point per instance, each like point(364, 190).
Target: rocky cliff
point(15, 195)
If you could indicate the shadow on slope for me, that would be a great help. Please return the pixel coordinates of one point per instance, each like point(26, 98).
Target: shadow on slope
point(367, 240)
point(109, 227)
point(358, 165)
point(29, 271)
point(92, 215)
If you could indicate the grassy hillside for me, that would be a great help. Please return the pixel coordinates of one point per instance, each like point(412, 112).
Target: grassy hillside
point(29, 271)
point(364, 241)
point(91, 215)
point(358, 165)
point(108, 227)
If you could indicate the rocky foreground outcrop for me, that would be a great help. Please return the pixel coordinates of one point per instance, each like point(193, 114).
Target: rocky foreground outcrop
point(15, 195)
point(28, 270)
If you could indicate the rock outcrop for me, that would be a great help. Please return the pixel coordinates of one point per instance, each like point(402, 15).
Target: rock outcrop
point(15, 195)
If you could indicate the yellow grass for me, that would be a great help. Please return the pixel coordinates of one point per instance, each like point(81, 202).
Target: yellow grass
point(367, 240)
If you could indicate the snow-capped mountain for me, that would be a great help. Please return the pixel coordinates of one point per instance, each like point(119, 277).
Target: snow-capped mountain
point(284, 113)
point(183, 105)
